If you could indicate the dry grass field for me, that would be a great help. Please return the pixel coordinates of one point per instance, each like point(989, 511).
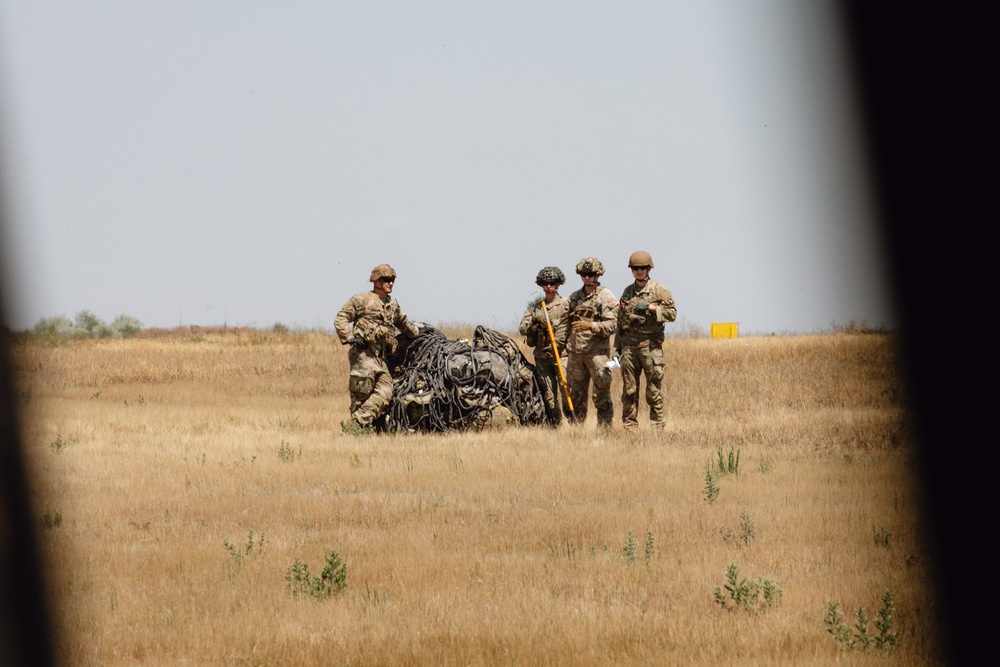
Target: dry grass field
point(179, 477)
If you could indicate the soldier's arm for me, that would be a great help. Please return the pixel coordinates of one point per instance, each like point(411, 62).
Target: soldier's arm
point(342, 323)
point(404, 325)
point(608, 322)
point(560, 326)
point(666, 310)
point(527, 322)
point(621, 315)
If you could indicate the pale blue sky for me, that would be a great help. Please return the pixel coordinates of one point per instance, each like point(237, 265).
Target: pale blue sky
point(249, 162)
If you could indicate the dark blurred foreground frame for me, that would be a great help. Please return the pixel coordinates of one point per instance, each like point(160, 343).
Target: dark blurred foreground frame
point(925, 75)
point(25, 631)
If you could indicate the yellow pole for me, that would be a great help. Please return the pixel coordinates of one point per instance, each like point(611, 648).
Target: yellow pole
point(555, 351)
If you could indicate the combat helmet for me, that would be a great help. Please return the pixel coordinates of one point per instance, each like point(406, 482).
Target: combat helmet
point(550, 274)
point(382, 271)
point(640, 258)
point(588, 264)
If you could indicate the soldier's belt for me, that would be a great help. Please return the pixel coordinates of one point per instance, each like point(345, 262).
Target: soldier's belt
point(635, 340)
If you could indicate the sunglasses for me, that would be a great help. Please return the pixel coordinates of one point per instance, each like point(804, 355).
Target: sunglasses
point(639, 268)
point(588, 274)
point(549, 283)
point(388, 280)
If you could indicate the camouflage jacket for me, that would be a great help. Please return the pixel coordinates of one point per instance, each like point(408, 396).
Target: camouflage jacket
point(600, 308)
point(374, 320)
point(533, 327)
point(635, 321)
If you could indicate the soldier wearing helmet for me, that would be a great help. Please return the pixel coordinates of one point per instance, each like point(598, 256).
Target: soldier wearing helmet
point(644, 308)
point(368, 323)
point(593, 318)
point(535, 330)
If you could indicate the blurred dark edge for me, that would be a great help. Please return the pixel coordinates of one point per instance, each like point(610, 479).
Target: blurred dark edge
point(925, 76)
point(25, 625)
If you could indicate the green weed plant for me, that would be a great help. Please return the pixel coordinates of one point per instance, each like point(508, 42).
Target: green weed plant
point(331, 581)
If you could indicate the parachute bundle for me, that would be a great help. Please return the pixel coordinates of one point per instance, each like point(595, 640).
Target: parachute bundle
point(447, 385)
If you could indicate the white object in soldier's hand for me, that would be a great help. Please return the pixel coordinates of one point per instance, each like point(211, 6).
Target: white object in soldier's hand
point(614, 363)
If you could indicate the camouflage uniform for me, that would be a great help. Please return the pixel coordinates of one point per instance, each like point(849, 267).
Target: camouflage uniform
point(375, 321)
point(534, 329)
point(590, 351)
point(640, 347)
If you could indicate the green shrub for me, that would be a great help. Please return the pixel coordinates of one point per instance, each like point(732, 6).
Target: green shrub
point(87, 325)
point(87, 321)
point(711, 490)
point(885, 637)
point(126, 326)
point(741, 593)
point(332, 581)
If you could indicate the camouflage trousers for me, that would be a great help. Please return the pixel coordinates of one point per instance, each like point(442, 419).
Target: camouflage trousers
point(370, 386)
point(547, 374)
point(646, 358)
point(581, 370)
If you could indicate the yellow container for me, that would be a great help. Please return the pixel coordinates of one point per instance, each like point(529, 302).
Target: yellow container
point(725, 329)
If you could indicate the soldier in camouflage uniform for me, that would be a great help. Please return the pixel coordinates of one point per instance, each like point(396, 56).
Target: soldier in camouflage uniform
point(376, 317)
point(645, 306)
point(593, 318)
point(535, 330)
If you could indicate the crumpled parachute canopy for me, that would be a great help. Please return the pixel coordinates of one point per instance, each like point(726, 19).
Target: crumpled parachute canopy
point(448, 385)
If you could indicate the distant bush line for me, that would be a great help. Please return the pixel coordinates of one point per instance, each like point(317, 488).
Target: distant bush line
point(87, 325)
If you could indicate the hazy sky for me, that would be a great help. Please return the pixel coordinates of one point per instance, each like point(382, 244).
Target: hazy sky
point(248, 162)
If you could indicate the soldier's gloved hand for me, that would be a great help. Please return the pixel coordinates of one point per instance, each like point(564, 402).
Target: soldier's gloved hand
point(642, 307)
point(358, 342)
point(581, 325)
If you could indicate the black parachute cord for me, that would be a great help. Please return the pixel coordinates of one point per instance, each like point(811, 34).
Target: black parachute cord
point(414, 360)
point(442, 401)
point(412, 376)
point(489, 340)
point(426, 366)
point(428, 369)
point(461, 415)
point(527, 411)
point(435, 374)
point(447, 408)
point(484, 339)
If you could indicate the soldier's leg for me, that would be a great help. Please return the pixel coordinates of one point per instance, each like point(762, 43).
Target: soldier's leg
point(357, 399)
point(360, 384)
point(631, 369)
point(377, 402)
point(652, 364)
point(601, 376)
point(546, 373)
point(578, 378)
point(371, 387)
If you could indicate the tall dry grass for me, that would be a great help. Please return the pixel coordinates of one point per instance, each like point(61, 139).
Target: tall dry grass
point(478, 548)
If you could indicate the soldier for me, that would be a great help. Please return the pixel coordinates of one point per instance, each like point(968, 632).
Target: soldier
point(645, 306)
point(593, 317)
point(535, 330)
point(375, 317)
